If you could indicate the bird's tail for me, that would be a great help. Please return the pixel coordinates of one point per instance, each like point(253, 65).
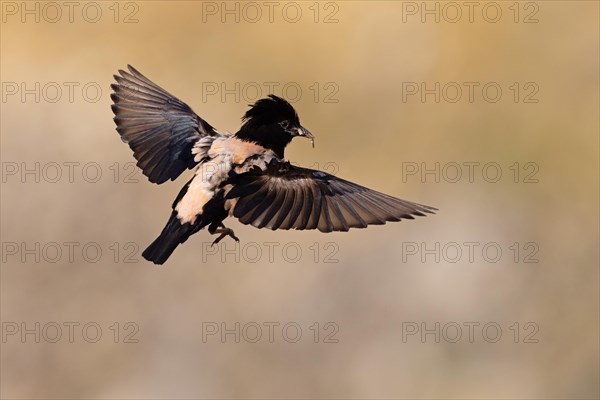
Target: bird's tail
point(173, 234)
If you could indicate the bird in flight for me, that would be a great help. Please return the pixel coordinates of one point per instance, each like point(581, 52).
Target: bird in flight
point(244, 175)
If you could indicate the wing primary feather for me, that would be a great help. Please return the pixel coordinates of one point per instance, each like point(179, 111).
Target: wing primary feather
point(273, 209)
point(262, 206)
point(332, 201)
point(246, 204)
point(375, 208)
point(296, 207)
point(308, 206)
point(313, 221)
point(345, 204)
point(325, 223)
point(285, 208)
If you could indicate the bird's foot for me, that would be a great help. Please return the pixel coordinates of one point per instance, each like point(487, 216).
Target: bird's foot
point(224, 232)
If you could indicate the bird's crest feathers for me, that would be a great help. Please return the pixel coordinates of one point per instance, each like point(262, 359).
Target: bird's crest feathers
point(269, 108)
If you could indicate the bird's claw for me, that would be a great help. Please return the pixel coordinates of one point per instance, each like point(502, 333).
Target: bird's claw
point(223, 234)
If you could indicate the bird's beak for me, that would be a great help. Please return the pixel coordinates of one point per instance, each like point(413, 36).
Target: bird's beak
point(302, 131)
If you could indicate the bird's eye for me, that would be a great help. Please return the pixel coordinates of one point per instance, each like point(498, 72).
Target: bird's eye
point(285, 124)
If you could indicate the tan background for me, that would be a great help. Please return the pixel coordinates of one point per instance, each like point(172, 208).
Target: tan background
point(370, 292)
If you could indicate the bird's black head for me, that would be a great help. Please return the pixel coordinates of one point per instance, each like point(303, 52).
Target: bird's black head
point(272, 123)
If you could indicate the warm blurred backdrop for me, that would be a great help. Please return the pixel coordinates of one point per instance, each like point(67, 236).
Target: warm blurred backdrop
point(363, 76)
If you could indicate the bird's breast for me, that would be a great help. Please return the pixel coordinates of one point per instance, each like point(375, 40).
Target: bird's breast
point(235, 149)
point(208, 178)
point(223, 154)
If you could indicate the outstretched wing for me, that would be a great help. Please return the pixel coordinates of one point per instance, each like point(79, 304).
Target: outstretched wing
point(160, 129)
point(287, 197)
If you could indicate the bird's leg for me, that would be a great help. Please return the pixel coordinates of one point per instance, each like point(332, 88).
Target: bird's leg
point(224, 232)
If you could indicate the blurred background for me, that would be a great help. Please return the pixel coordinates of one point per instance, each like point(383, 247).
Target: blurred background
point(495, 296)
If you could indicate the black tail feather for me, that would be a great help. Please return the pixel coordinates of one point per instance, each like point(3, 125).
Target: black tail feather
point(173, 234)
